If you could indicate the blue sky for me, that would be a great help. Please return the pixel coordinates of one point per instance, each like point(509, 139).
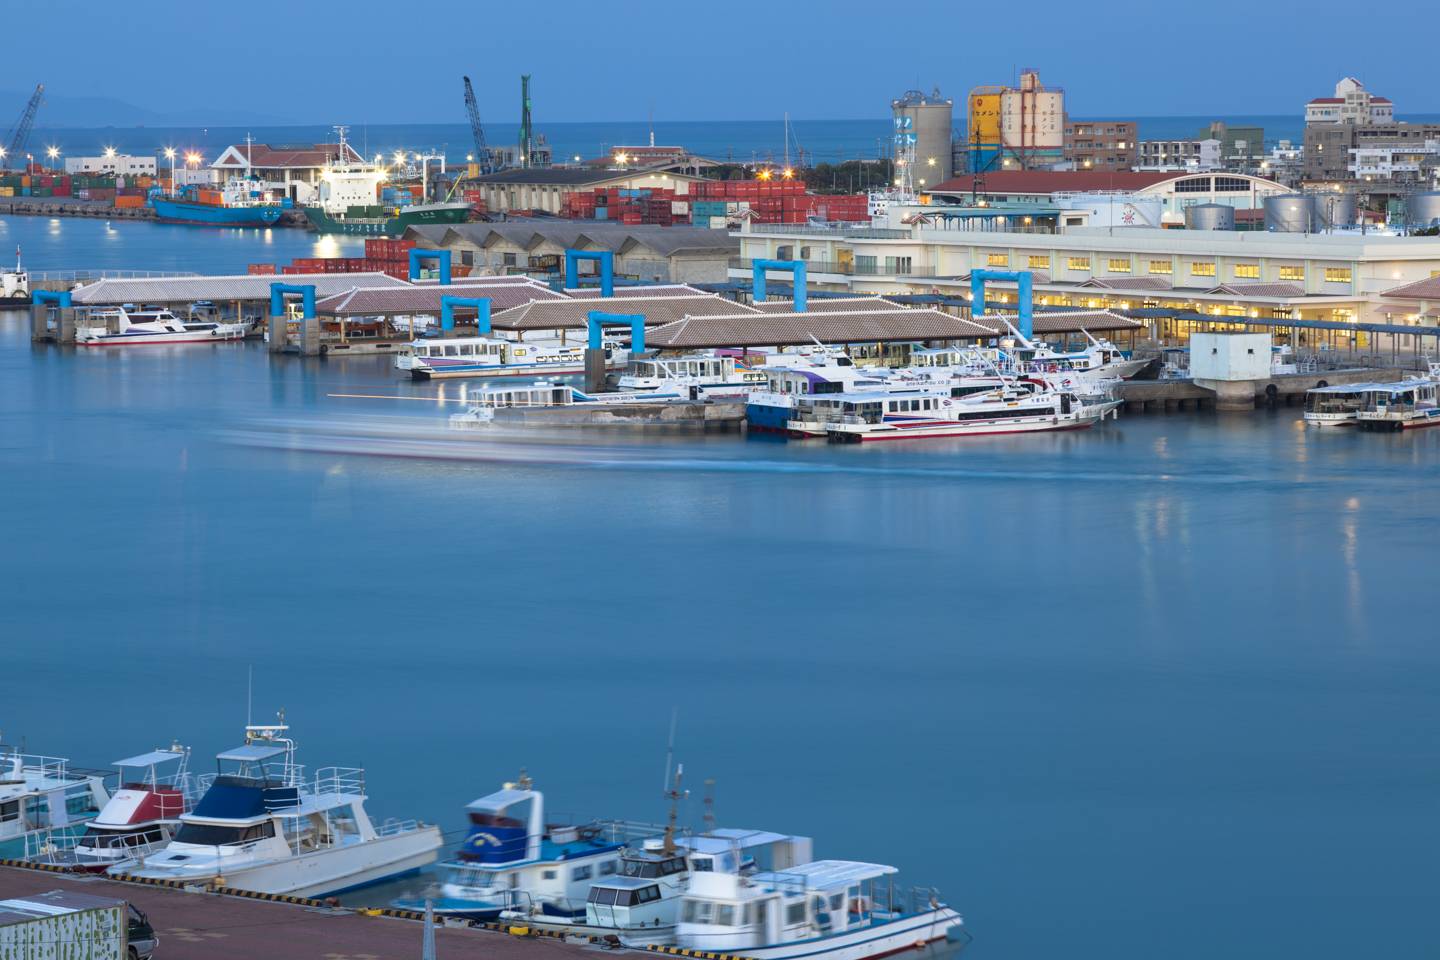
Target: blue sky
point(378, 62)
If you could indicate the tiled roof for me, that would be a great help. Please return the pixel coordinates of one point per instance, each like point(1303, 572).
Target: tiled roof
point(648, 290)
point(788, 329)
point(572, 313)
point(111, 291)
point(276, 158)
point(1427, 289)
point(1280, 291)
point(366, 301)
point(1071, 321)
point(1128, 283)
point(585, 234)
point(828, 304)
point(566, 176)
point(1055, 181)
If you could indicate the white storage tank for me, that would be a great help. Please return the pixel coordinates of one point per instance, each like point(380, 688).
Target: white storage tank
point(1210, 216)
point(1422, 209)
point(1291, 213)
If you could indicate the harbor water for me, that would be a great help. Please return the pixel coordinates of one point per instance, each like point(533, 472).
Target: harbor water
point(1154, 689)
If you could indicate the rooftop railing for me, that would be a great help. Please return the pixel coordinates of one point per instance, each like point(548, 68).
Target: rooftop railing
point(87, 276)
point(850, 268)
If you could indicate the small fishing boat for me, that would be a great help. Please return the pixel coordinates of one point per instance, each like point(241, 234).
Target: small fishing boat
point(14, 286)
point(1335, 405)
point(140, 817)
point(831, 909)
point(1015, 408)
point(513, 859)
point(43, 801)
point(449, 357)
point(128, 327)
point(1405, 405)
point(260, 825)
point(696, 377)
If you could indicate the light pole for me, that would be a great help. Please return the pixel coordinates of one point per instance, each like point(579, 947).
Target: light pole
point(170, 155)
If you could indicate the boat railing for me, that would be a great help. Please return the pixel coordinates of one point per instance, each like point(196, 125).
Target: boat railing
point(50, 768)
point(346, 781)
point(627, 831)
point(394, 827)
point(51, 847)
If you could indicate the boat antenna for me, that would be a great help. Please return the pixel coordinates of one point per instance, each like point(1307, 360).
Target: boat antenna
point(670, 750)
point(709, 818)
point(675, 795)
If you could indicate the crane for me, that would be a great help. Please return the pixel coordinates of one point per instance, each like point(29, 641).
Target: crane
point(482, 151)
point(15, 139)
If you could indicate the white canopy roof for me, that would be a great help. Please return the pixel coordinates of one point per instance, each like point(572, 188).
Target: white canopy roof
point(149, 759)
point(501, 799)
point(252, 752)
point(727, 838)
point(824, 874)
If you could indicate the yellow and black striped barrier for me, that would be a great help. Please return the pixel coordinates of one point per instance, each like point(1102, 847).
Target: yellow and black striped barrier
point(693, 954)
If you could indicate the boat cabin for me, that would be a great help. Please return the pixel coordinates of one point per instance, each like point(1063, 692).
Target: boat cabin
point(876, 406)
point(1338, 402)
point(41, 798)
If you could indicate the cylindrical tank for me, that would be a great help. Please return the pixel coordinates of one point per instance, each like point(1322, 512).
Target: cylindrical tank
point(1422, 209)
point(1337, 209)
point(932, 120)
point(1291, 213)
point(1210, 216)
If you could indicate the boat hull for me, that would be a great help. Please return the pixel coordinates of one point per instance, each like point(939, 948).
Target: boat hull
point(1396, 424)
point(385, 226)
point(209, 215)
point(934, 429)
point(154, 339)
point(866, 943)
point(323, 872)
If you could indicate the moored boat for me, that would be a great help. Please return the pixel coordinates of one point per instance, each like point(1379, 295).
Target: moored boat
point(832, 909)
point(140, 817)
point(1014, 408)
point(127, 327)
point(262, 826)
point(1335, 405)
point(14, 285)
point(1405, 405)
point(452, 357)
point(699, 377)
point(43, 801)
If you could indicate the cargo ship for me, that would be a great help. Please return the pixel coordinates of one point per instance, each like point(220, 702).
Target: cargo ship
point(241, 204)
point(348, 194)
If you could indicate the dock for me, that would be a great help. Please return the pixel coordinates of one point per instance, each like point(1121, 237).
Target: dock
point(195, 925)
point(1165, 396)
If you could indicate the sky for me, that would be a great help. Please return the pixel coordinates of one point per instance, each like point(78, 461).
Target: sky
point(377, 61)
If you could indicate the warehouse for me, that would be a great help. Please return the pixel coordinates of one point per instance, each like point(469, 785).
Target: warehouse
point(642, 252)
point(544, 188)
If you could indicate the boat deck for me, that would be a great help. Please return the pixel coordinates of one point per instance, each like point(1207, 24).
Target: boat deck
point(208, 926)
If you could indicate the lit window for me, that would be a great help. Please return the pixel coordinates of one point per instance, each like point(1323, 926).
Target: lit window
point(1337, 274)
point(1247, 271)
point(998, 259)
point(1078, 263)
point(1202, 269)
point(1162, 266)
point(1292, 273)
point(1117, 265)
point(1039, 263)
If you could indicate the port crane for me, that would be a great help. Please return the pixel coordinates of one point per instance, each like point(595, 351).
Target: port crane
point(16, 138)
point(483, 158)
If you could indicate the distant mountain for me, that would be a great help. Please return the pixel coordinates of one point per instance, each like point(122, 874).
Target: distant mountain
point(59, 111)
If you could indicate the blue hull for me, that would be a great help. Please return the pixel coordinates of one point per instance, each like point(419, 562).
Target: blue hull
point(204, 214)
point(763, 416)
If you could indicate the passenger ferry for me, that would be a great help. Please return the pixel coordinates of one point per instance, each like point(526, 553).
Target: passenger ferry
point(791, 379)
point(127, 327)
point(513, 859)
point(1336, 405)
point(698, 377)
point(828, 909)
point(444, 358)
point(1100, 358)
point(545, 393)
point(140, 817)
point(43, 801)
point(864, 417)
point(261, 825)
point(1405, 405)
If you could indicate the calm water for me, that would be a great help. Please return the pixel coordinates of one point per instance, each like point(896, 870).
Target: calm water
point(1132, 692)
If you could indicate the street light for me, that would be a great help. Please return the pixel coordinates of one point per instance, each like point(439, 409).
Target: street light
point(110, 153)
point(170, 155)
point(52, 152)
point(192, 159)
point(399, 156)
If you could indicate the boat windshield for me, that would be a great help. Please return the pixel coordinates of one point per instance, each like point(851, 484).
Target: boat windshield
point(649, 869)
point(218, 835)
point(98, 838)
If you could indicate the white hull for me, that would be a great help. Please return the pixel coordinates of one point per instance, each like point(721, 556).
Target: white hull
point(1330, 419)
point(921, 429)
point(865, 943)
point(84, 339)
point(324, 871)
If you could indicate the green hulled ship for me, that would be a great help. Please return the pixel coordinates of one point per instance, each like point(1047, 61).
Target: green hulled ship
point(373, 221)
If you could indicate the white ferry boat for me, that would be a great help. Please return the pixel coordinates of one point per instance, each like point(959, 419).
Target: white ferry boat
point(790, 379)
point(14, 286)
point(448, 357)
point(865, 417)
point(545, 393)
point(127, 327)
point(43, 801)
point(1336, 405)
point(261, 826)
point(696, 377)
point(1405, 405)
point(1100, 358)
point(513, 859)
point(140, 817)
point(830, 909)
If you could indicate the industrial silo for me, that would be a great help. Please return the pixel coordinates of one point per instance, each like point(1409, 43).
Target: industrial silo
point(1338, 209)
point(931, 119)
point(1291, 213)
point(1210, 216)
point(1422, 209)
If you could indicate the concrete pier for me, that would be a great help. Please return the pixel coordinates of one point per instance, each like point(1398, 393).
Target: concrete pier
point(310, 337)
point(278, 330)
point(594, 370)
point(1144, 396)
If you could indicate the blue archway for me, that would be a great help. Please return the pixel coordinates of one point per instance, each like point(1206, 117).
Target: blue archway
point(605, 258)
point(61, 298)
point(796, 269)
point(307, 298)
point(482, 312)
point(442, 257)
point(597, 320)
point(1025, 295)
